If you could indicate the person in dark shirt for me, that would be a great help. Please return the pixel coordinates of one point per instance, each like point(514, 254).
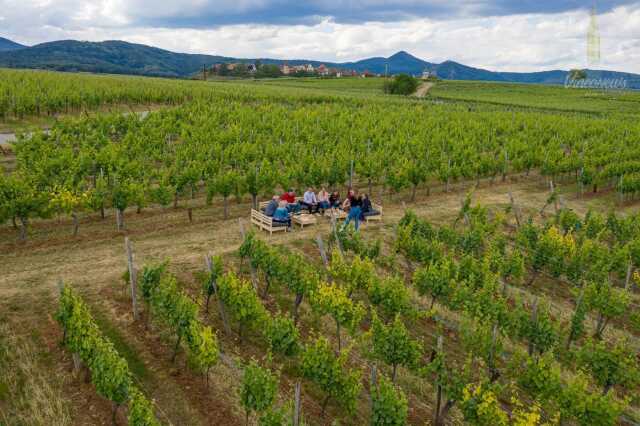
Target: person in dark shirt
point(334, 200)
point(270, 209)
point(355, 211)
point(367, 207)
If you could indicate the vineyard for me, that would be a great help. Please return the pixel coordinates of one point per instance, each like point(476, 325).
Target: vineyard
point(500, 289)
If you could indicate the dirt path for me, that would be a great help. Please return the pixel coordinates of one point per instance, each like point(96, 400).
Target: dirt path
point(423, 89)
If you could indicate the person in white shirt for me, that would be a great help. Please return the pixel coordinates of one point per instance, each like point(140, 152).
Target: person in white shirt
point(310, 200)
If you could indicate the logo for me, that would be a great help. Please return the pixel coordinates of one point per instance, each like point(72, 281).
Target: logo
point(580, 79)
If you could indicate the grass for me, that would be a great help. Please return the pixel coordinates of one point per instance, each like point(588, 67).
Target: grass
point(29, 393)
point(547, 97)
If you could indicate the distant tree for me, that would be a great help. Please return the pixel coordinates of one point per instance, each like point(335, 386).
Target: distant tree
point(268, 71)
point(240, 70)
point(576, 74)
point(223, 70)
point(402, 84)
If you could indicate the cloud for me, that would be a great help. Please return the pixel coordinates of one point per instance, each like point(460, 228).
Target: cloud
point(500, 35)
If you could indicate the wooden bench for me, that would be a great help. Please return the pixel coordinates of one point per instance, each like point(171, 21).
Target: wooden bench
point(263, 221)
point(378, 208)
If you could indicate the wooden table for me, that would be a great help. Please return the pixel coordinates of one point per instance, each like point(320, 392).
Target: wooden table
point(337, 213)
point(304, 219)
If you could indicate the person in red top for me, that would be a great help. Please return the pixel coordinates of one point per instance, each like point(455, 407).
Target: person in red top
point(290, 198)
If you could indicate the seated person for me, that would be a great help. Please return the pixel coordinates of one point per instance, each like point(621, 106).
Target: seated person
point(270, 208)
point(290, 198)
point(281, 216)
point(323, 200)
point(367, 207)
point(334, 200)
point(310, 200)
point(348, 202)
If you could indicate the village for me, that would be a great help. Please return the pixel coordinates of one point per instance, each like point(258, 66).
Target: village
point(242, 69)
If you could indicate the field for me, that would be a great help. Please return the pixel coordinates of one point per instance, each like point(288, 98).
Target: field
point(479, 315)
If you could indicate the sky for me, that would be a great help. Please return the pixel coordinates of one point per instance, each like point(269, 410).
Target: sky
point(501, 35)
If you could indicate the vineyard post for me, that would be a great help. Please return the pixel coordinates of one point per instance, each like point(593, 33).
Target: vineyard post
point(64, 328)
point(506, 166)
point(534, 319)
point(334, 228)
point(296, 407)
point(223, 314)
point(492, 364)
point(514, 207)
point(577, 310)
point(132, 277)
point(437, 420)
point(580, 184)
point(254, 279)
point(555, 199)
point(627, 280)
point(119, 220)
point(351, 175)
point(323, 254)
point(373, 384)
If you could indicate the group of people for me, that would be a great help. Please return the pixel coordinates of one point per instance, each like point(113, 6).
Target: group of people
point(280, 208)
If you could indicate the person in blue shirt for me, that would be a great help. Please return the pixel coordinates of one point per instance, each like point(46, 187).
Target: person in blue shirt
point(281, 215)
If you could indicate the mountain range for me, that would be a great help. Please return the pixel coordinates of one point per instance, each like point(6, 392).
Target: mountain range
point(6, 45)
point(119, 57)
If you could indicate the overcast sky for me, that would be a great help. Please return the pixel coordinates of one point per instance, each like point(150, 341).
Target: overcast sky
point(504, 35)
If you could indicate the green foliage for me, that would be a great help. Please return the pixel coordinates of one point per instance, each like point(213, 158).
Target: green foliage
point(401, 84)
point(258, 389)
point(209, 283)
point(242, 301)
point(435, 279)
point(577, 402)
point(110, 373)
point(537, 327)
point(329, 372)
point(389, 404)
point(606, 301)
point(393, 345)
point(161, 292)
point(355, 276)
point(481, 407)
point(282, 335)
point(140, 410)
point(390, 295)
point(332, 300)
point(610, 365)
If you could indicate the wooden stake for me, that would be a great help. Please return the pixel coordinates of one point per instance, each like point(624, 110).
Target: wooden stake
point(437, 420)
point(534, 319)
point(223, 315)
point(296, 407)
point(323, 254)
point(373, 384)
point(254, 278)
point(627, 280)
point(516, 210)
point(132, 277)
